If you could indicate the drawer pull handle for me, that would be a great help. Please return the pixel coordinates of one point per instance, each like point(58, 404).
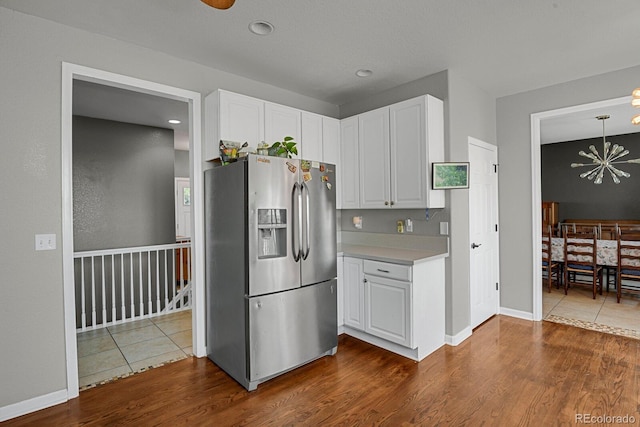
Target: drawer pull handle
point(383, 271)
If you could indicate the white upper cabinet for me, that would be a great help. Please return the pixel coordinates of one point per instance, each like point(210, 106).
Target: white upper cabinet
point(331, 151)
point(349, 165)
point(416, 140)
point(396, 146)
point(281, 121)
point(311, 139)
point(373, 146)
point(240, 118)
point(233, 117)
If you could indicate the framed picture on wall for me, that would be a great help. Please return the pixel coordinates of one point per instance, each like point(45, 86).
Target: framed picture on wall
point(450, 175)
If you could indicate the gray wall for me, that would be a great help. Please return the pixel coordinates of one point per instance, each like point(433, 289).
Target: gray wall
point(123, 185)
point(468, 111)
point(580, 198)
point(181, 164)
point(32, 50)
point(384, 220)
point(514, 142)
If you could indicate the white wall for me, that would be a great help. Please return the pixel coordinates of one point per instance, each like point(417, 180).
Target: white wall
point(514, 142)
point(31, 51)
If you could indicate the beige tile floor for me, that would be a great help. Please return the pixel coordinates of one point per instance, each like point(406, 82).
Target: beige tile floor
point(119, 350)
point(579, 305)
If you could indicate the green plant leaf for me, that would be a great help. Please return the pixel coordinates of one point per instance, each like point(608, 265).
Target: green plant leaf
point(275, 144)
point(288, 138)
point(294, 150)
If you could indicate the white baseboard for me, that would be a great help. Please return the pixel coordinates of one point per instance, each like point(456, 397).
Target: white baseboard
point(32, 405)
point(459, 337)
point(516, 313)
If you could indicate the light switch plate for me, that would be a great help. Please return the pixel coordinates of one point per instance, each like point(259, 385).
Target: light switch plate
point(45, 242)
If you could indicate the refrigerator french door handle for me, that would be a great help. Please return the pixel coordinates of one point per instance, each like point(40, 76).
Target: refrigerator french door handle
point(295, 226)
point(305, 253)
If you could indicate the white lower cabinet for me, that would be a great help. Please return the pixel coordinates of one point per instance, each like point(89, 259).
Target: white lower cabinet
point(353, 292)
point(395, 306)
point(387, 307)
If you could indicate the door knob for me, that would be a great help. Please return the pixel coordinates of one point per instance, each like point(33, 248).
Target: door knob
point(473, 245)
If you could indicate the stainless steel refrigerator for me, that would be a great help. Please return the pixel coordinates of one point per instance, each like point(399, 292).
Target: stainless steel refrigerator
point(270, 266)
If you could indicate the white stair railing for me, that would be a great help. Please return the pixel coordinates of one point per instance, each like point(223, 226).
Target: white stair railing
point(126, 284)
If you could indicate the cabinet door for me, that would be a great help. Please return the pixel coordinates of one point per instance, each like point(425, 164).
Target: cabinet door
point(311, 139)
point(353, 293)
point(340, 290)
point(331, 151)
point(349, 164)
point(388, 309)
point(241, 118)
point(408, 153)
point(281, 121)
point(373, 144)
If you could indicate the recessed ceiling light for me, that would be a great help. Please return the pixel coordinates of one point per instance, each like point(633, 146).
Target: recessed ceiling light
point(363, 73)
point(261, 28)
point(175, 122)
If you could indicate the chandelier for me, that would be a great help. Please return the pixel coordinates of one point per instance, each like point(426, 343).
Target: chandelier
point(610, 157)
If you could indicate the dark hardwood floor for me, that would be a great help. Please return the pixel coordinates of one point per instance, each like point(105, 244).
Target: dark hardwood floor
point(510, 372)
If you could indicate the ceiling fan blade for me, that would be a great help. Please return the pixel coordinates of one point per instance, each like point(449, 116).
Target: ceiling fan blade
point(219, 4)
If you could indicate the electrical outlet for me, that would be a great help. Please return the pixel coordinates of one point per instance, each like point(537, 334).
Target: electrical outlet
point(45, 242)
point(444, 228)
point(408, 225)
point(400, 225)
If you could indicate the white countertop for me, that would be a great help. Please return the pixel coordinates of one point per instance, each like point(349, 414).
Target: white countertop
point(388, 254)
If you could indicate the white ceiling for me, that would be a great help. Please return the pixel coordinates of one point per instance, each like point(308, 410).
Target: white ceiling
point(503, 46)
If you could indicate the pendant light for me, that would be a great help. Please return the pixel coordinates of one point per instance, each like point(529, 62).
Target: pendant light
point(609, 158)
point(635, 101)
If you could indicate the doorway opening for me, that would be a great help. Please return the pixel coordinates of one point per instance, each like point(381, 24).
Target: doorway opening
point(541, 310)
point(74, 73)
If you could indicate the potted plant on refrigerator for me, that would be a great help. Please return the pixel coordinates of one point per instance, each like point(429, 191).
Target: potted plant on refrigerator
point(285, 148)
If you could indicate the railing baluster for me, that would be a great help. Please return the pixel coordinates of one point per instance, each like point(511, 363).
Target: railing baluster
point(104, 295)
point(140, 284)
point(150, 308)
point(113, 289)
point(157, 281)
point(93, 292)
point(133, 293)
point(83, 302)
point(182, 277)
point(122, 309)
point(173, 282)
point(166, 280)
point(188, 302)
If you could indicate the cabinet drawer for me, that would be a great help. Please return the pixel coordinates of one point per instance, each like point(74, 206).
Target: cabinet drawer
point(386, 269)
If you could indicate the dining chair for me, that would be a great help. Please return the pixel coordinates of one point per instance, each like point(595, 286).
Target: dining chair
point(628, 261)
point(552, 268)
point(580, 261)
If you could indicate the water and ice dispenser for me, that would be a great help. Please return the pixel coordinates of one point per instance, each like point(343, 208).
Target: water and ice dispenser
point(272, 233)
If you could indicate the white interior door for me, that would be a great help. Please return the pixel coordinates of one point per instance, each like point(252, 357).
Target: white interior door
point(183, 207)
point(483, 231)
